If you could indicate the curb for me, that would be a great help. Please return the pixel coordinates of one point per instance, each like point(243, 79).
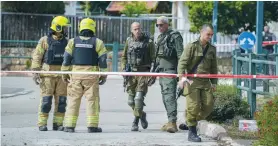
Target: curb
point(215, 132)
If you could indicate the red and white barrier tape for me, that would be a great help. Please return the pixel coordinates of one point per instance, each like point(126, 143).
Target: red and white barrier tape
point(270, 42)
point(226, 76)
point(233, 45)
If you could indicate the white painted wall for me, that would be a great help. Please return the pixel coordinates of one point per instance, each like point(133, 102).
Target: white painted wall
point(182, 13)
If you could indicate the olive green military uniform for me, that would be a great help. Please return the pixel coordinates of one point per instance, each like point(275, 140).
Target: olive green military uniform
point(51, 84)
point(138, 55)
point(199, 102)
point(170, 47)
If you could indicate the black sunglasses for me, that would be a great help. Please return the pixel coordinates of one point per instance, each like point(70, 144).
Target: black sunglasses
point(157, 25)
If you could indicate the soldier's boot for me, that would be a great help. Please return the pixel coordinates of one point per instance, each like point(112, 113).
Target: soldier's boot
point(69, 129)
point(183, 126)
point(43, 128)
point(135, 124)
point(172, 127)
point(94, 129)
point(57, 128)
point(164, 127)
point(192, 134)
point(143, 120)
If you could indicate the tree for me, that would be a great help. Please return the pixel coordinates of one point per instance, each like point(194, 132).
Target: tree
point(135, 8)
point(163, 7)
point(41, 7)
point(231, 15)
point(86, 6)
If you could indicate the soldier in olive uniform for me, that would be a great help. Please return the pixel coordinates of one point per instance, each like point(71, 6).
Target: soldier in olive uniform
point(268, 36)
point(137, 56)
point(169, 49)
point(200, 100)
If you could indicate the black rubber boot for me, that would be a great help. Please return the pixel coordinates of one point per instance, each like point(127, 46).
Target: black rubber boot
point(57, 128)
point(69, 129)
point(135, 124)
point(94, 129)
point(43, 128)
point(192, 134)
point(143, 120)
point(183, 126)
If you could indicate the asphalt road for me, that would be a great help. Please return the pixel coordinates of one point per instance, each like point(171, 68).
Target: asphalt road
point(19, 105)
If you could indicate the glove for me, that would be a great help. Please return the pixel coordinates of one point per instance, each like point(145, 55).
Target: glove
point(36, 76)
point(65, 78)
point(151, 81)
point(102, 80)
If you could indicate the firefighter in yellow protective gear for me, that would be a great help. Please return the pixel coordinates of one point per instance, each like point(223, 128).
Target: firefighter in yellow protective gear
point(84, 53)
point(48, 56)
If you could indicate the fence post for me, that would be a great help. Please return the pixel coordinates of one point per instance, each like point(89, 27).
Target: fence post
point(238, 66)
point(234, 64)
point(276, 61)
point(252, 86)
point(247, 68)
point(115, 56)
point(265, 72)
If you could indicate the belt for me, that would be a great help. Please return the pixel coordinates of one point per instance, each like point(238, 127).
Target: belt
point(166, 69)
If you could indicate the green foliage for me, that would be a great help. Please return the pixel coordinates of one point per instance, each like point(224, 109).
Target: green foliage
point(87, 8)
point(41, 7)
point(135, 8)
point(228, 104)
point(163, 7)
point(28, 63)
point(267, 121)
point(152, 29)
point(231, 15)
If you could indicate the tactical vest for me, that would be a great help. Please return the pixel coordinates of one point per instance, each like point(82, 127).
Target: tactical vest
point(84, 52)
point(55, 52)
point(165, 46)
point(137, 53)
point(268, 37)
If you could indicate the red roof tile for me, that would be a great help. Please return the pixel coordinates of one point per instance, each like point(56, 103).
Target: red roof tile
point(116, 6)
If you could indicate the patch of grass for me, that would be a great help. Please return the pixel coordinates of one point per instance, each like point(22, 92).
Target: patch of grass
point(234, 133)
point(231, 126)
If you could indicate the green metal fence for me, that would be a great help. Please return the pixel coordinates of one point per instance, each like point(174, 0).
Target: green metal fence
point(23, 26)
point(116, 47)
point(250, 63)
